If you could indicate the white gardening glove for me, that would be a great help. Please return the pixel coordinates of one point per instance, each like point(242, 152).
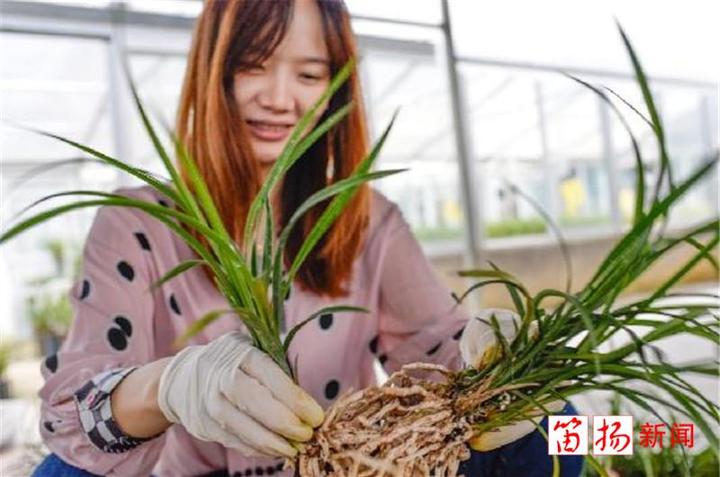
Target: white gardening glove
point(479, 344)
point(479, 348)
point(230, 392)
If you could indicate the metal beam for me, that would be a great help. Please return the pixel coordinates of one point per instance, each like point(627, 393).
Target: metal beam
point(115, 13)
point(468, 178)
point(710, 145)
point(119, 97)
point(421, 148)
point(608, 156)
point(550, 172)
point(561, 69)
point(396, 21)
point(4, 28)
point(108, 14)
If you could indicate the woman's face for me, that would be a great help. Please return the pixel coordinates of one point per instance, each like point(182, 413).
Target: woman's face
point(273, 96)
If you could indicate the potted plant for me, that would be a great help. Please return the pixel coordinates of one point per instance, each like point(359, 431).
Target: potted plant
point(51, 316)
point(48, 305)
point(5, 352)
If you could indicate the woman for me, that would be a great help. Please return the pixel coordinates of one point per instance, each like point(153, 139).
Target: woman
point(116, 388)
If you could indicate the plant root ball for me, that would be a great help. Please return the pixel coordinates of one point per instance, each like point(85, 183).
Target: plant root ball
point(408, 427)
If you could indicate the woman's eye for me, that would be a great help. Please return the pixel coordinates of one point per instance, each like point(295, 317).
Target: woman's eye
point(310, 76)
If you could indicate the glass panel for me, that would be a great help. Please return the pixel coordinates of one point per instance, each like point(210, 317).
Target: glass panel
point(422, 140)
point(536, 135)
point(559, 143)
point(691, 139)
point(691, 133)
point(428, 11)
point(507, 146)
point(63, 90)
point(622, 91)
point(585, 36)
point(158, 79)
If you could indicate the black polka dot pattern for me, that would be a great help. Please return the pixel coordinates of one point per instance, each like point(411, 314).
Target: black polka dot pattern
point(163, 203)
point(51, 363)
point(174, 305)
point(117, 339)
point(124, 324)
point(332, 388)
point(259, 471)
point(326, 321)
point(85, 290)
point(434, 349)
point(126, 270)
point(383, 358)
point(459, 333)
point(373, 345)
point(49, 426)
point(118, 334)
point(142, 240)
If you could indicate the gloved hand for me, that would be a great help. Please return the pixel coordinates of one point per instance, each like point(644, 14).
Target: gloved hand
point(479, 347)
point(230, 392)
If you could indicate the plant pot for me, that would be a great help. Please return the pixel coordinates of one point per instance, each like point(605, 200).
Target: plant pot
point(49, 343)
point(4, 388)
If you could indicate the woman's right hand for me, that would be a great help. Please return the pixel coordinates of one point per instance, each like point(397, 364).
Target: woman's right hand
point(230, 392)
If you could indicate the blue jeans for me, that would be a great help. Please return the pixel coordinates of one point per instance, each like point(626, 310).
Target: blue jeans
point(525, 457)
point(53, 466)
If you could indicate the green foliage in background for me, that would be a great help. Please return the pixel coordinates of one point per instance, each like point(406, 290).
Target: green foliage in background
point(512, 227)
point(5, 355)
point(666, 461)
point(48, 303)
point(50, 313)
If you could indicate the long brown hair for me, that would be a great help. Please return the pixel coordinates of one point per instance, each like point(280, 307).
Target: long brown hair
point(230, 33)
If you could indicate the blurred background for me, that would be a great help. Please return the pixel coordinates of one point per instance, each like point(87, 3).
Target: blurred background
point(485, 112)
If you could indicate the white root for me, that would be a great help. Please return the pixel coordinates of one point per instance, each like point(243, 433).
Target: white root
point(408, 427)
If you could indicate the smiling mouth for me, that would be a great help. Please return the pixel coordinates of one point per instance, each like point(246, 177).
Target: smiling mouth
point(266, 131)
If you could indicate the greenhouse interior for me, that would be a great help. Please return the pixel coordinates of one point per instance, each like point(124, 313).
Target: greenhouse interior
point(510, 163)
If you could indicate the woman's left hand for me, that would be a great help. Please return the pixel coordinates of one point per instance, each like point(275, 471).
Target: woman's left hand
point(479, 344)
point(480, 348)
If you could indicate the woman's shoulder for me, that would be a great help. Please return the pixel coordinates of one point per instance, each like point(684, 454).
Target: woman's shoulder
point(110, 219)
point(144, 193)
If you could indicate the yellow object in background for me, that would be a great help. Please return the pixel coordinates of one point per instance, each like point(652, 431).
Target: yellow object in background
point(573, 196)
point(452, 213)
point(626, 202)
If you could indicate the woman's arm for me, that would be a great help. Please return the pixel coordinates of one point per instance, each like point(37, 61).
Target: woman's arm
point(134, 401)
point(112, 334)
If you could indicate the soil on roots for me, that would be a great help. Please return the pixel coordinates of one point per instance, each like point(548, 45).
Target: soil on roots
point(406, 427)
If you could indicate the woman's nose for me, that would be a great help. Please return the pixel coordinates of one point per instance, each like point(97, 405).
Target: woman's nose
point(276, 94)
